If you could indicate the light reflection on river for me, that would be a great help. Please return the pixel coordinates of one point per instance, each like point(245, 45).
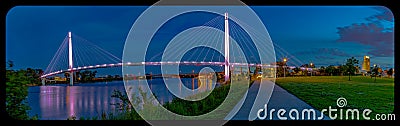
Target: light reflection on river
point(58, 102)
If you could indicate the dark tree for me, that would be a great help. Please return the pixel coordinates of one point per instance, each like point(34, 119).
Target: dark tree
point(330, 69)
point(77, 75)
point(280, 69)
point(350, 67)
point(10, 64)
point(375, 71)
point(341, 69)
point(390, 72)
point(322, 70)
point(66, 75)
point(296, 70)
point(87, 76)
point(17, 92)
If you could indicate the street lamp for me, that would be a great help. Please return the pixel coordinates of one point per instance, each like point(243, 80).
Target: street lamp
point(284, 67)
point(311, 64)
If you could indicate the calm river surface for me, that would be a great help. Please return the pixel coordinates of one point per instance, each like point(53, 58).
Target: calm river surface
point(58, 102)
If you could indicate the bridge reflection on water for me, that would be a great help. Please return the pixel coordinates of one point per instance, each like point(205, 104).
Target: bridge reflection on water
point(58, 102)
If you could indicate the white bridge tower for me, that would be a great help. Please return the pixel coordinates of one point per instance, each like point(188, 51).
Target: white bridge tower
point(71, 66)
point(226, 48)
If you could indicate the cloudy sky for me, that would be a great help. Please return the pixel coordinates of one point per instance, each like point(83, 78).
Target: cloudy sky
point(325, 35)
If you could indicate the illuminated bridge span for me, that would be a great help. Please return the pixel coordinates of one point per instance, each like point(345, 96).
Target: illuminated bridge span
point(86, 55)
point(190, 63)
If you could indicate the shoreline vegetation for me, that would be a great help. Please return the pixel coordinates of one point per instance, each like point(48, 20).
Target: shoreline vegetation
point(17, 91)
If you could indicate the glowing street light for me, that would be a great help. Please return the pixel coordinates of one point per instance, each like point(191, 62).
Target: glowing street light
point(311, 65)
point(284, 67)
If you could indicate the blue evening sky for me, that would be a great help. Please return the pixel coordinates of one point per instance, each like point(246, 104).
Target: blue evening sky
point(34, 33)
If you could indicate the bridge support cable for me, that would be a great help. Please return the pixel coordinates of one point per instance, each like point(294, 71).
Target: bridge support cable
point(56, 63)
point(190, 37)
point(84, 54)
point(276, 47)
point(243, 41)
point(93, 50)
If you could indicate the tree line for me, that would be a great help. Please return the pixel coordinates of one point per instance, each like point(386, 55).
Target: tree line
point(350, 68)
point(17, 91)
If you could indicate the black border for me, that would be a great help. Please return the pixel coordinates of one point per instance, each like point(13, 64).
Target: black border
point(6, 5)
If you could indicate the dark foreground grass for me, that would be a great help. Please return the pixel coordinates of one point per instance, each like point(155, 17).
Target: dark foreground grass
point(361, 92)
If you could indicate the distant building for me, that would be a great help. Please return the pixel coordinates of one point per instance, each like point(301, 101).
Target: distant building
point(366, 64)
point(57, 78)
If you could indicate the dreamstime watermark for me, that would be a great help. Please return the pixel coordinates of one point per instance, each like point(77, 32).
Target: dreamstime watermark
point(333, 113)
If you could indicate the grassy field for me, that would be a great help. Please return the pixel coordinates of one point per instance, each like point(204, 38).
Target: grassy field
point(361, 92)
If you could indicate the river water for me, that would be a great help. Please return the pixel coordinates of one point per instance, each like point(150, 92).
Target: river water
point(59, 101)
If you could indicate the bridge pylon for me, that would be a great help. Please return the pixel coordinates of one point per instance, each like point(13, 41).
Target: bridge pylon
point(226, 47)
point(71, 66)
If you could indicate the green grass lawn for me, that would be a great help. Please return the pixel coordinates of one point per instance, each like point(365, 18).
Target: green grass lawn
point(361, 92)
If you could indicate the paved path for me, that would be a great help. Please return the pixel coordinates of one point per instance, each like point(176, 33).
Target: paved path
point(280, 99)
